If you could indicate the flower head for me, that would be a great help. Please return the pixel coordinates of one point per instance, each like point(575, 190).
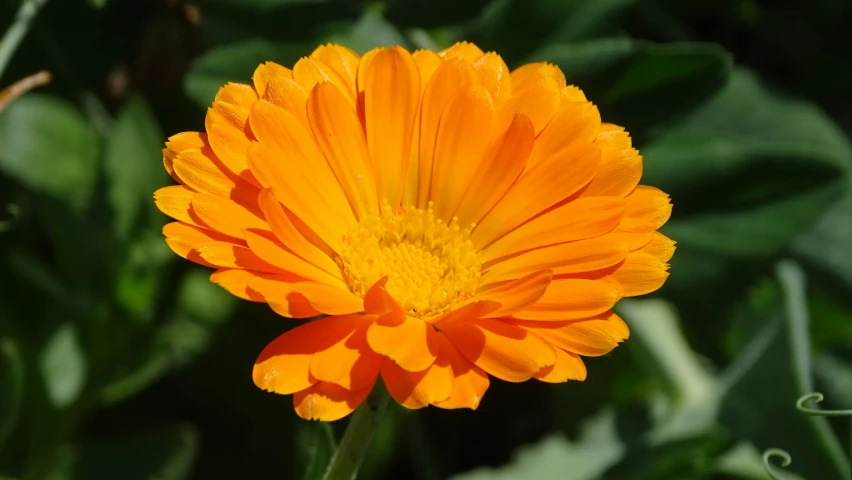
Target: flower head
point(448, 218)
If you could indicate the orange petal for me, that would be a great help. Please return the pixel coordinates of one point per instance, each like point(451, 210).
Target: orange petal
point(659, 246)
point(517, 294)
point(410, 342)
point(341, 60)
point(427, 62)
point(228, 255)
point(568, 366)
point(237, 94)
point(308, 72)
point(613, 136)
point(503, 350)
point(340, 138)
point(619, 173)
point(493, 73)
point(183, 239)
point(641, 273)
point(265, 72)
point(448, 80)
point(573, 122)
point(267, 247)
point(377, 300)
point(290, 96)
point(176, 202)
point(463, 136)
point(343, 356)
point(284, 365)
point(287, 297)
point(498, 171)
point(391, 98)
point(539, 188)
point(286, 231)
point(303, 182)
point(469, 382)
point(538, 96)
point(591, 337)
point(236, 281)
point(186, 141)
point(572, 257)
point(530, 73)
point(572, 298)
point(226, 215)
point(229, 135)
point(647, 209)
point(200, 170)
point(328, 402)
point(576, 220)
point(418, 389)
point(468, 311)
point(462, 50)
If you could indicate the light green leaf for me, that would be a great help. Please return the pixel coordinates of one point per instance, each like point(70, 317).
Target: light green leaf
point(597, 449)
point(62, 364)
point(11, 387)
point(133, 163)
point(236, 63)
point(370, 31)
point(826, 246)
point(49, 147)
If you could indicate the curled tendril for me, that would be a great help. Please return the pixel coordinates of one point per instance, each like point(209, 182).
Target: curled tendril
point(818, 397)
point(770, 467)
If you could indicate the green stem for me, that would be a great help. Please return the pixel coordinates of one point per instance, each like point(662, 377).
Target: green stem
point(356, 441)
point(25, 16)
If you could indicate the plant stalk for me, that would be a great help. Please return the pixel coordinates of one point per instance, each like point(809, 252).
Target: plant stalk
point(356, 440)
point(12, 38)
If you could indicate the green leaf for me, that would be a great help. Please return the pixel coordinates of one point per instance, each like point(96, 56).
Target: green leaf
point(597, 449)
point(236, 63)
point(825, 247)
point(516, 28)
point(133, 167)
point(370, 31)
point(262, 4)
point(768, 377)
point(161, 452)
point(62, 364)
point(49, 147)
point(639, 84)
point(316, 447)
point(661, 347)
point(11, 388)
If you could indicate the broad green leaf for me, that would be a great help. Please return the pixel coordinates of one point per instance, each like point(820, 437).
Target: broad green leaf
point(639, 84)
point(62, 364)
point(597, 449)
point(693, 394)
point(48, 146)
point(826, 246)
point(160, 452)
point(11, 387)
point(834, 379)
point(236, 63)
point(316, 447)
point(517, 28)
point(370, 31)
point(133, 164)
point(768, 377)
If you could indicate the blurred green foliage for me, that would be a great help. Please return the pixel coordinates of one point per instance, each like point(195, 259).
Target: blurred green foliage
point(117, 360)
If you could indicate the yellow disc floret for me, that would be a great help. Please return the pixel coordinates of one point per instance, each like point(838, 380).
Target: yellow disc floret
point(430, 265)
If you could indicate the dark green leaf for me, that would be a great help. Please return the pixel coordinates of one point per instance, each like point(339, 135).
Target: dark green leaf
point(49, 147)
point(778, 360)
point(162, 453)
point(63, 366)
point(826, 246)
point(236, 63)
point(638, 84)
point(133, 165)
point(370, 31)
point(11, 387)
point(316, 445)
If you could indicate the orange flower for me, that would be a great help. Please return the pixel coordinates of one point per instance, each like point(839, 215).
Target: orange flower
point(451, 219)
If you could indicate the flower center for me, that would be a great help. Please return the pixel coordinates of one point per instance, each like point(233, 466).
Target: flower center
point(430, 265)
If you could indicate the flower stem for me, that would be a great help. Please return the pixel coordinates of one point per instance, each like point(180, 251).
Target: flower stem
point(356, 440)
point(12, 38)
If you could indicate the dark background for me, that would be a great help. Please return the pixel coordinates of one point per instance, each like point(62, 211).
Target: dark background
point(118, 360)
